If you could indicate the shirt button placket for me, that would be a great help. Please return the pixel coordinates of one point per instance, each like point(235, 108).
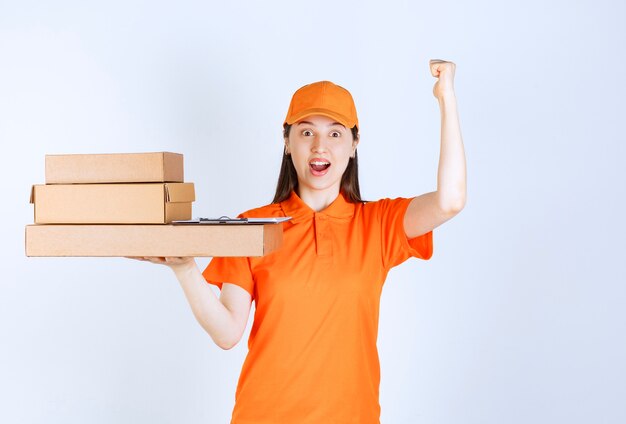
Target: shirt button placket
point(323, 238)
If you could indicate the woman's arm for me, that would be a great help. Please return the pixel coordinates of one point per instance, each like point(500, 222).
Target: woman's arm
point(225, 319)
point(430, 210)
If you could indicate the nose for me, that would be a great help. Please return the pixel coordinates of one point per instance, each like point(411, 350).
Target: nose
point(318, 145)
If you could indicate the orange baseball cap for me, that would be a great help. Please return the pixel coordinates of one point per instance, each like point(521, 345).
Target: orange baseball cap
point(323, 98)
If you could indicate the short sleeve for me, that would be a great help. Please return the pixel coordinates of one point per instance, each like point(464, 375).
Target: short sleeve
point(234, 270)
point(396, 247)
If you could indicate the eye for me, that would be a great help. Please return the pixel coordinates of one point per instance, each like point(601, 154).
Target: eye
point(307, 133)
point(335, 134)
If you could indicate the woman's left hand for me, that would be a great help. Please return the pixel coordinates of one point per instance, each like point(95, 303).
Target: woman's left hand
point(444, 72)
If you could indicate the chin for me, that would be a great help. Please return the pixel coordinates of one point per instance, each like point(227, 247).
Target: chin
point(320, 186)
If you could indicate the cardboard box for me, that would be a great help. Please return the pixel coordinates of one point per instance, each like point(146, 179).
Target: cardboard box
point(153, 240)
point(151, 203)
point(114, 168)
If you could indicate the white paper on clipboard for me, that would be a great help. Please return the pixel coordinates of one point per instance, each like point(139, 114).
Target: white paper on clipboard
point(230, 221)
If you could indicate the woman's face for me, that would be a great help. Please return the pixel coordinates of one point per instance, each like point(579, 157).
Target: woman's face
point(320, 149)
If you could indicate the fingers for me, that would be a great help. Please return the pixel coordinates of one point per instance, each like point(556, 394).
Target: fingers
point(153, 259)
point(159, 260)
point(176, 259)
point(437, 66)
point(162, 260)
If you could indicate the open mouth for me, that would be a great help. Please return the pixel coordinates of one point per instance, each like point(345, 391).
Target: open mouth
point(319, 166)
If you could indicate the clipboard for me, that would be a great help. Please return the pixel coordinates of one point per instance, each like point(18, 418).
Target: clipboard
point(230, 221)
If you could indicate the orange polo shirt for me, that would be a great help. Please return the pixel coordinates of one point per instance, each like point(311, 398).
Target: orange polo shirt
point(312, 355)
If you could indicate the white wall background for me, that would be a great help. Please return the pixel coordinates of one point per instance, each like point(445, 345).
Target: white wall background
point(517, 318)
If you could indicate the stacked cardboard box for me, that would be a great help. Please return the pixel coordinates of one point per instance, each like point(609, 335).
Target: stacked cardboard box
point(108, 205)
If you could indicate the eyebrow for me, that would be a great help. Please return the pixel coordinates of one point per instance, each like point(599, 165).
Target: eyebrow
point(311, 123)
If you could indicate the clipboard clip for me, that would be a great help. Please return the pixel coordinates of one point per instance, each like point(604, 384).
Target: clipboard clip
point(222, 220)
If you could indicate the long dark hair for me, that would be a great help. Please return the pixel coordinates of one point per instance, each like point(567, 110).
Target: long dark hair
point(288, 178)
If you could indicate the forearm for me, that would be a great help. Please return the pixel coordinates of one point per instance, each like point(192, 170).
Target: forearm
point(209, 311)
point(451, 176)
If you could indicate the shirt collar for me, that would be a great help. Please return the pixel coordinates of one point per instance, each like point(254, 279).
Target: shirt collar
point(295, 207)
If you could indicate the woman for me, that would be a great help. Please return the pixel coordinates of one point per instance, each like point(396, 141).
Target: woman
point(312, 348)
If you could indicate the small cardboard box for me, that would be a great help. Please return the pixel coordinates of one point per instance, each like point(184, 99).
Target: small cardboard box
point(153, 240)
point(114, 168)
point(151, 203)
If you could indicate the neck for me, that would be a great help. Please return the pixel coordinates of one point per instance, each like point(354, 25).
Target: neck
point(318, 200)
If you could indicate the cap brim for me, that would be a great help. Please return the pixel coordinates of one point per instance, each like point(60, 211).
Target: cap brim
point(343, 120)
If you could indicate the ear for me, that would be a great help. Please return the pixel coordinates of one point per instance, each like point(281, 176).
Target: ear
point(355, 143)
point(287, 147)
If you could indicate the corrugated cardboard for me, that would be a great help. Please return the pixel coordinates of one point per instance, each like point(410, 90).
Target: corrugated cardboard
point(153, 240)
point(114, 168)
point(152, 203)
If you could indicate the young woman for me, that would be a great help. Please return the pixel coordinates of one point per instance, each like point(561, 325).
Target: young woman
point(312, 348)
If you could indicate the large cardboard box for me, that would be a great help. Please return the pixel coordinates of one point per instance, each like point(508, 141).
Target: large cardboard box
point(153, 240)
point(114, 168)
point(151, 203)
